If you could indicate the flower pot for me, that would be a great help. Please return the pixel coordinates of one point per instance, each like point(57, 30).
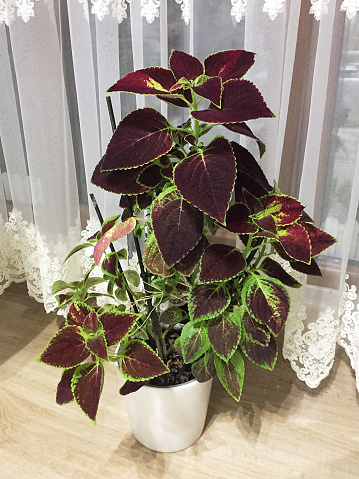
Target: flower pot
point(170, 418)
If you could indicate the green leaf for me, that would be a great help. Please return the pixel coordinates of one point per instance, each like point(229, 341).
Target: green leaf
point(132, 277)
point(194, 341)
point(76, 249)
point(231, 374)
point(59, 286)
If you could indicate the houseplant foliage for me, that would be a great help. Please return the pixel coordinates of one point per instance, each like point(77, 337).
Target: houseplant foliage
point(231, 302)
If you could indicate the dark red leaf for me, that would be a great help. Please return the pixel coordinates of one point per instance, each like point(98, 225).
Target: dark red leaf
point(177, 226)
point(246, 163)
point(206, 178)
point(148, 81)
point(140, 362)
point(109, 264)
point(98, 346)
point(229, 64)
point(87, 387)
point(285, 210)
point(117, 325)
point(173, 100)
point(237, 220)
point(150, 176)
point(319, 239)
point(243, 129)
point(312, 268)
point(187, 265)
point(64, 393)
point(118, 181)
point(185, 66)
point(207, 301)
point(241, 101)
point(142, 136)
point(131, 387)
point(210, 89)
point(167, 172)
point(224, 335)
point(267, 301)
point(275, 270)
point(264, 356)
point(152, 258)
point(91, 323)
point(220, 262)
point(296, 243)
point(144, 201)
point(254, 331)
point(77, 313)
point(267, 223)
point(66, 349)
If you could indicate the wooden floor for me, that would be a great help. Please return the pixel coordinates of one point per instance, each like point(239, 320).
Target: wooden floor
point(280, 429)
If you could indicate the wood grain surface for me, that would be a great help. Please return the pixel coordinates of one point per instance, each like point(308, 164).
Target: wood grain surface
point(280, 429)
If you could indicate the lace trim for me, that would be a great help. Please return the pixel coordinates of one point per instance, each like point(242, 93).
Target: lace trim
point(310, 344)
point(150, 9)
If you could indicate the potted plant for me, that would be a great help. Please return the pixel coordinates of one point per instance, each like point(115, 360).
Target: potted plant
point(205, 306)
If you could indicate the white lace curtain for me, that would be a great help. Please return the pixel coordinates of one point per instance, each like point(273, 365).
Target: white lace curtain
point(54, 127)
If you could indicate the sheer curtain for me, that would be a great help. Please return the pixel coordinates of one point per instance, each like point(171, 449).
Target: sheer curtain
point(54, 127)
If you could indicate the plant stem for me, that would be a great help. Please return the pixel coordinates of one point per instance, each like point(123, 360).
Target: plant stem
point(128, 290)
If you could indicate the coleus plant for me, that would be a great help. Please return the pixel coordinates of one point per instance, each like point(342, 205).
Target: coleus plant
point(231, 301)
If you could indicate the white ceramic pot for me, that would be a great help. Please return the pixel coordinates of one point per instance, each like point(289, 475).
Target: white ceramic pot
point(171, 418)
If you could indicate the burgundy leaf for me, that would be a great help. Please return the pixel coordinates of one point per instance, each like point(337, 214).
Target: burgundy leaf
point(284, 209)
point(152, 258)
point(251, 200)
point(98, 346)
point(150, 176)
point(185, 66)
point(241, 101)
point(312, 268)
point(246, 182)
point(203, 368)
point(142, 136)
point(177, 226)
point(254, 331)
point(188, 263)
point(207, 301)
point(87, 387)
point(131, 387)
point(231, 374)
point(296, 243)
point(167, 172)
point(109, 264)
point(66, 349)
point(148, 81)
point(118, 181)
point(91, 323)
point(237, 220)
point(210, 89)
point(177, 99)
point(220, 262)
point(64, 393)
point(117, 325)
point(113, 234)
point(246, 163)
point(194, 342)
point(264, 356)
point(275, 270)
point(77, 313)
point(144, 201)
point(267, 301)
point(139, 362)
point(229, 64)
point(224, 335)
point(243, 129)
point(319, 239)
point(206, 178)
point(267, 223)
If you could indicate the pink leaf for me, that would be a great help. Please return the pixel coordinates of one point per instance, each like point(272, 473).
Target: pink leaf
point(113, 234)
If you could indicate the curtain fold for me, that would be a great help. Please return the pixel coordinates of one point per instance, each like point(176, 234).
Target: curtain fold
point(54, 128)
